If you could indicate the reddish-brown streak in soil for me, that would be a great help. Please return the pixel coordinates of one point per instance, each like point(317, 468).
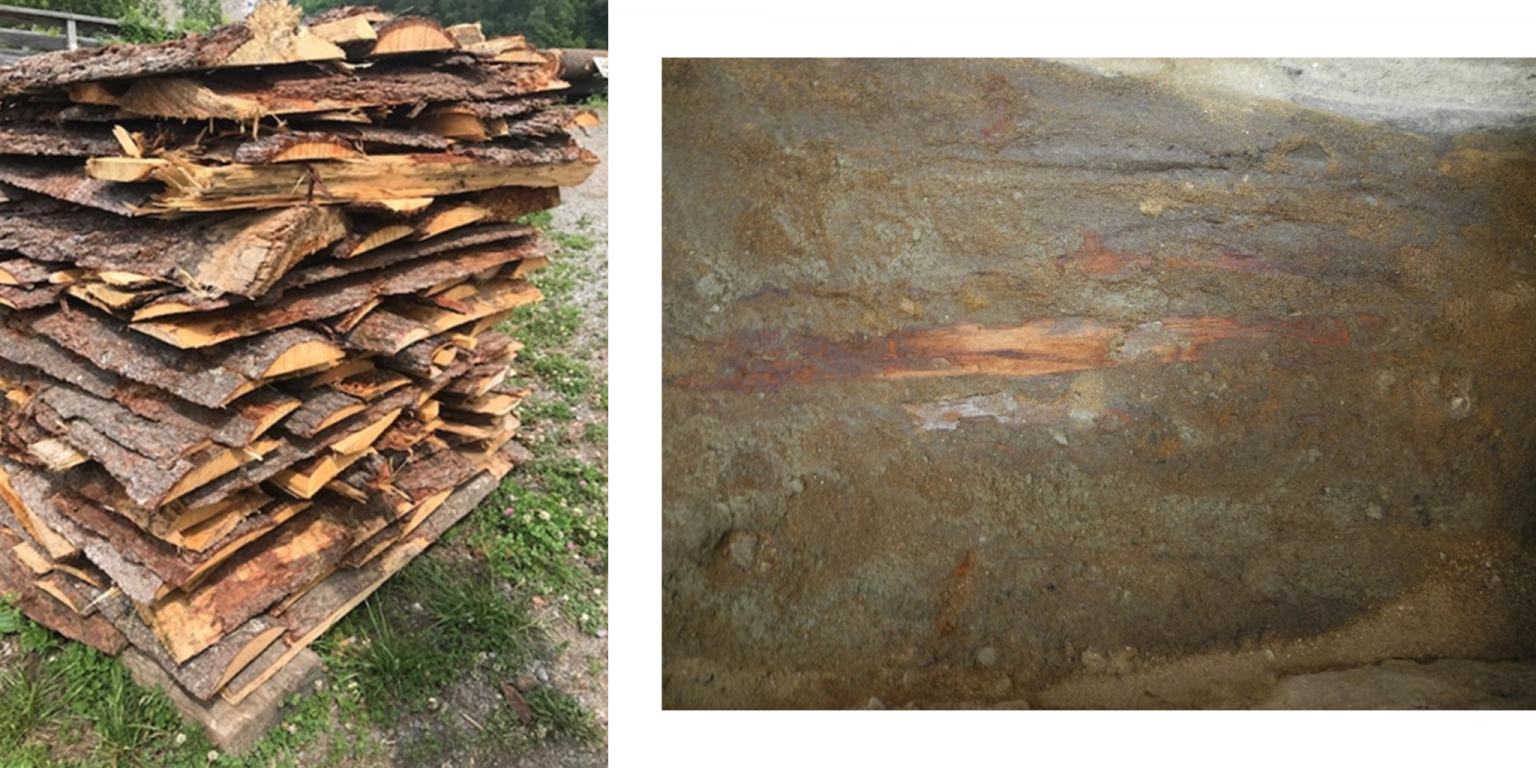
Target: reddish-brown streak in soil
point(1000, 100)
point(956, 595)
point(1092, 258)
point(765, 360)
point(1233, 262)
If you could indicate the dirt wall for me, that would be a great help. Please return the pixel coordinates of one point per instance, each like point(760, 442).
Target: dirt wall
point(986, 379)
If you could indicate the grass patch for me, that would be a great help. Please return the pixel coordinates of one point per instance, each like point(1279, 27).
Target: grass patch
point(422, 631)
point(569, 377)
point(563, 714)
point(66, 703)
point(533, 412)
point(597, 433)
point(544, 531)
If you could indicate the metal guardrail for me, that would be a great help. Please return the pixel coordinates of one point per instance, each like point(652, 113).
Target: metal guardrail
point(43, 41)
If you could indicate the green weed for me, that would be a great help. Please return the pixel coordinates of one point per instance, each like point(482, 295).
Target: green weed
point(422, 632)
point(562, 714)
point(569, 377)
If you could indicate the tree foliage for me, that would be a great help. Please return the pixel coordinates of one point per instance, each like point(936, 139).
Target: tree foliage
point(546, 23)
point(110, 9)
point(139, 21)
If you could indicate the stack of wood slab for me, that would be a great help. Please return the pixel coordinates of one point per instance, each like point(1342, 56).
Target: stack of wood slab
point(251, 282)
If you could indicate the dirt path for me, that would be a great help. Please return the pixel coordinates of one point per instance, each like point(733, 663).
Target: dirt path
point(582, 670)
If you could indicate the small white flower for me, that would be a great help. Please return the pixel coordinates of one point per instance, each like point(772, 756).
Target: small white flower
point(181, 738)
point(213, 755)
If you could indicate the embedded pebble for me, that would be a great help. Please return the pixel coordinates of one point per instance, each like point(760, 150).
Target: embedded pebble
point(1373, 511)
point(1094, 661)
point(1461, 407)
point(986, 656)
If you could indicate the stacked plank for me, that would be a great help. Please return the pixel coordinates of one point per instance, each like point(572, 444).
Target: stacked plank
point(251, 282)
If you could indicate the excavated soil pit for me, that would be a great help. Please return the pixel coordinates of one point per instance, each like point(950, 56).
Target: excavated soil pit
point(1049, 385)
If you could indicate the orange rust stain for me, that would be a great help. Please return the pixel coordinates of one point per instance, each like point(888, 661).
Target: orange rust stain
point(1096, 261)
point(1002, 105)
point(1232, 262)
point(956, 595)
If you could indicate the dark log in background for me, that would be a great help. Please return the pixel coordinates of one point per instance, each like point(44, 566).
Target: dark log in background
point(1013, 382)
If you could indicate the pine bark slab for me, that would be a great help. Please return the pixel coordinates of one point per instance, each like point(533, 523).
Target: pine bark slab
point(41, 607)
point(327, 300)
point(321, 271)
point(190, 187)
point(243, 587)
point(211, 379)
point(318, 91)
point(325, 604)
point(243, 253)
point(262, 39)
point(68, 181)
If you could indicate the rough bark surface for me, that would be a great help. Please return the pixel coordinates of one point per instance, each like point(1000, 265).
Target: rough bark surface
point(68, 181)
point(385, 83)
point(211, 380)
point(326, 300)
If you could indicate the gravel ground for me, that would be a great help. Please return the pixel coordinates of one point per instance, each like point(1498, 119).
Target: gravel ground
point(582, 670)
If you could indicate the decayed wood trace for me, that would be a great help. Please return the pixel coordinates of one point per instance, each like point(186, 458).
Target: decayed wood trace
point(766, 360)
